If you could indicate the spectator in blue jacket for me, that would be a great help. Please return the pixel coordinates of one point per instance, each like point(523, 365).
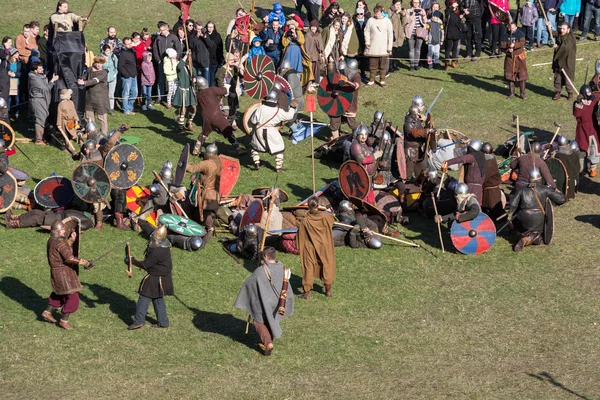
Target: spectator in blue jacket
point(277, 13)
point(570, 10)
point(552, 7)
point(271, 38)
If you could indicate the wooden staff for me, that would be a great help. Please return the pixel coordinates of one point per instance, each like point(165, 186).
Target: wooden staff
point(228, 53)
point(380, 235)
point(552, 141)
point(570, 81)
point(262, 242)
point(439, 225)
point(129, 263)
point(88, 17)
point(440, 187)
point(176, 203)
point(516, 120)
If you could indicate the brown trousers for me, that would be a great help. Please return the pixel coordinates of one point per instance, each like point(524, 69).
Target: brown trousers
point(377, 64)
point(336, 122)
point(560, 81)
point(263, 332)
point(311, 268)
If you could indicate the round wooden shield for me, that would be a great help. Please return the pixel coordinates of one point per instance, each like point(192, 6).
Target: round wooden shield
point(182, 165)
point(334, 95)
point(354, 180)
point(366, 207)
point(53, 192)
point(253, 214)
point(473, 237)
point(8, 191)
point(401, 159)
point(230, 172)
point(90, 182)
point(285, 86)
point(7, 134)
point(264, 190)
point(548, 222)
point(259, 76)
point(559, 173)
point(18, 174)
point(124, 165)
point(181, 225)
point(137, 197)
point(247, 115)
point(388, 203)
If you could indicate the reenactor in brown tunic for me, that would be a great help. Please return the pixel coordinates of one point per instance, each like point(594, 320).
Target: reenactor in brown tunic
point(64, 270)
point(515, 68)
point(209, 183)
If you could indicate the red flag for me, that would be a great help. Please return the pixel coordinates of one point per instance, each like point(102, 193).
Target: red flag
point(501, 15)
point(241, 25)
point(184, 6)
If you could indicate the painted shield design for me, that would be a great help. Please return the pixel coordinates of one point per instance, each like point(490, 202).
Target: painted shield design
point(259, 76)
point(182, 165)
point(7, 134)
point(124, 165)
point(8, 191)
point(334, 95)
point(401, 158)
point(247, 115)
point(253, 214)
point(285, 86)
point(181, 225)
point(369, 208)
point(230, 172)
point(137, 198)
point(548, 222)
point(90, 182)
point(473, 237)
point(18, 174)
point(559, 173)
point(53, 192)
point(354, 180)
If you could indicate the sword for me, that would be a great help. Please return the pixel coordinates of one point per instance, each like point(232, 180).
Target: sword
point(27, 157)
point(507, 222)
point(101, 256)
point(433, 102)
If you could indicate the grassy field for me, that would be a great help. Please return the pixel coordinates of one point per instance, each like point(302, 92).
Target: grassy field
point(404, 323)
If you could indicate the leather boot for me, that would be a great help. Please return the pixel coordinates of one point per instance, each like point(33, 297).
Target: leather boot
point(593, 173)
point(522, 89)
point(511, 85)
point(47, 315)
point(119, 222)
point(328, 291)
point(556, 96)
point(570, 96)
point(11, 221)
point(64, 322)
point(39, 134)
point(453, 64)
point(523, 242)
point(446, 66)
point(304, 296)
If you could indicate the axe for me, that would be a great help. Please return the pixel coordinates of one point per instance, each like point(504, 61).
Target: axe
point(558, 126)
point(516, 121)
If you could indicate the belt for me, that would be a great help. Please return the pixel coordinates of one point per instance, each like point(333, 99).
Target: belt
point(531, 209)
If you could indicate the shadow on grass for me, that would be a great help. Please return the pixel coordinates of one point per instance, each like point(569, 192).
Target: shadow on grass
point(593, 220)
point(588, 186)
point(222, 324)
point(546, 377)
point(300, 191)
point(118, 304)
point(16, 290)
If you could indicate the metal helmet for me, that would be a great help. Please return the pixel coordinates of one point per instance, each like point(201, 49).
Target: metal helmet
point(461, 188)
point(160, 233)
point(574, 145)
point(252, 230)
point(375, 242)
point(476, 144)
point(536, 148)
point(351, 67)
point(2, 146)
point(487, 148)
point(452, 184)
point(285, 64)
point(418, 101)
point(201, 82)
point(195, 243)
point(154, 189)
point(167, 166)
point(345, 206)
point(58, 229)
point(271, 97)
point(211, 150)
point(563, 141)
point(91, 127)
point(431, 174)
point(534, 175)
point(342, 65)
point(413, 110)
point(377, 116)
point(598, 68)
point(88, 146)
point(277, 85)
point(586, 92)
point(3, 103)
point(361, 130)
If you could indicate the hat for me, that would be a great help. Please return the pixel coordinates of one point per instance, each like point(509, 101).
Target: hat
point(277, 6)
point(314, 22)
point(171, 52)
point(99, 60)
point(455, 4)
point(65, 94)
point(291, 22)
point(12, 51)
point(360, 10)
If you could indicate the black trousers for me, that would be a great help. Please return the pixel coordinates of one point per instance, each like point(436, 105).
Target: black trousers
point(474, 36)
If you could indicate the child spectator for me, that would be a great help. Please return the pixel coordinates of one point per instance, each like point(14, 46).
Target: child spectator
point(277, 13)
point(435, 36)
point(170, 68)
point(256, 49)
point(147, 79)
point(529, 17)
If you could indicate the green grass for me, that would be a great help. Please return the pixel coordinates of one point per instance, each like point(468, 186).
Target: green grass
point(404, 323)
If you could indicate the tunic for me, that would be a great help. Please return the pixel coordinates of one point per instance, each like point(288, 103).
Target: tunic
point(265, 134)
point(39, 97)
point(210, 181)
point(159, 281)
point(67, 117)
point(474, 177)
point(362, 154)
point(570, 159)
point(317, 253)
point(259, 297)
point(96, 93)
point(64, 266)
point(515, 68)
point(212, 117)
point(525, 163)
point(492, 194)
point(564, 55)
point(530, 217)
point(587, 122)
point(184, 95)
point(64, 22)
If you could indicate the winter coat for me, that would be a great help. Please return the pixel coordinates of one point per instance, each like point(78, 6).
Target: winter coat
point(111, 66)
point(350, 42)
point(96, 93)
point(360, 33)
point(273, 49)
point(565, 55)
point(201, 50)
point(529, 16)
point(39, 97)
point(454, 27)
point(170, 69)
point(379, 37)
point(160, 45)
point(313, 44)
point(331, 41)
point(570, 7)
point(398, 23)
point(556, 4)
point(148, 77)
point(411, 20)
point(216, 54)
point(127, 64)
point(475, 7)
